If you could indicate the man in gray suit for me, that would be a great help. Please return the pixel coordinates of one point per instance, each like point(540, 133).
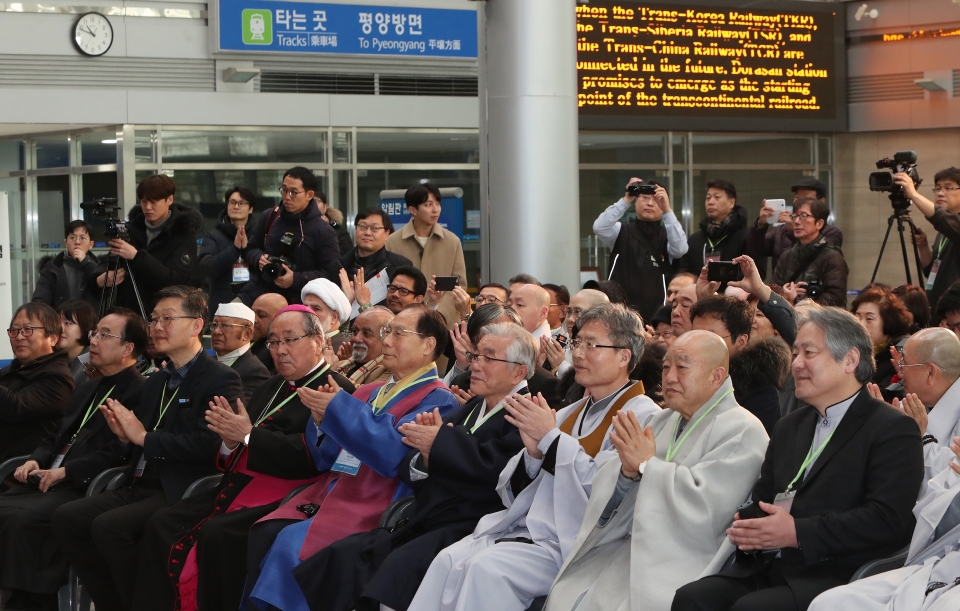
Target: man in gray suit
point(231, 333)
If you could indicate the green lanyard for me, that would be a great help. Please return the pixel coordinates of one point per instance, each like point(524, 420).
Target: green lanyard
point(90, 412)
point(424, 374)
point(269, 412)
point(673, 449)
point(943, 244)
point(811, 456)
point(714, 246)
point(163, 408)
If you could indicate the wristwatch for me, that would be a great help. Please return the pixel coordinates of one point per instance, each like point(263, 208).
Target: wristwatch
point(246, 440)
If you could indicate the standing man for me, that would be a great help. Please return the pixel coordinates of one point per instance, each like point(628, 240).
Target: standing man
point(222, 250)
point(642, 253)
point(433, 250)
point(370, 257)
point(36, 387)
point(362, 358)
point(230, 334)
point(265, 308)
point(335, 218)
point(171, 448)
point(295, 231)
point(71, 275)
point(160, 248)
point(813, 261)
point(942, 263)
point(723, 233)
point(836, 489)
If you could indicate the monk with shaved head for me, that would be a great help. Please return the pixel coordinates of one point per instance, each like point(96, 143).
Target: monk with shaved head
point(532, 303)
point(656, 515)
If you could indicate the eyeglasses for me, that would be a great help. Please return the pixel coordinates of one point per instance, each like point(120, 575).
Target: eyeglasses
point(485, 299)
point(164, 321)
point(95, 334)
point(273, 344)
point(945, 189)
point(78, 238)
point(576, 343)
point(370, 228)
point(396, 332)
point(238, 203)
point(291, 193)
point(13, 332)
point(223, 325)
point(393, 288)
point(483, 359)
point(902, 365)
point(574, 311)
point(803, 216)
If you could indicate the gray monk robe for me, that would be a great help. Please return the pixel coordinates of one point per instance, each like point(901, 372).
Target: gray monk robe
point(632, 555)
point(930, 581)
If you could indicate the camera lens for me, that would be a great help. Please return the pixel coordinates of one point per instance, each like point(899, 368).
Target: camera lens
point(271, 271)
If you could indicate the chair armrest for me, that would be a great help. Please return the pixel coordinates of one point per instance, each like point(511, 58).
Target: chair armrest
point(881, 565)
point(203, 484)
point(10, 465)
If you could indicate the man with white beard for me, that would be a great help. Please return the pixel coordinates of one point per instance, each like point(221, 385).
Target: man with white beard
point(360, 358)
point(545, 487)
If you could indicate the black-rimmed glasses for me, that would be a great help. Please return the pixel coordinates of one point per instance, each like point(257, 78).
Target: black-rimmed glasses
point(483, 359)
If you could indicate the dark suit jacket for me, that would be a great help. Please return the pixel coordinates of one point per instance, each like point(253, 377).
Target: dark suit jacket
point(183, 449)
point(252, 373)
point(96, 448)
point(856, 503)
point(542, 382)
point(33, 398)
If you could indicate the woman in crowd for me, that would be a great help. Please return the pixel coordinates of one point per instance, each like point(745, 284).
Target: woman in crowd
point(888, 322)
point(915, 300)
point(77, 318)
point(221, 252)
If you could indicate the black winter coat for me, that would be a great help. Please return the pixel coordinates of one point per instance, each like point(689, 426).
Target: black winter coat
point(33, 398)
point(731, 244)
point(372, 265)
point(217, 255)
point(170, 259)
point(53, 285)
point(315, 248)
point(758, 372)
point(829, 267)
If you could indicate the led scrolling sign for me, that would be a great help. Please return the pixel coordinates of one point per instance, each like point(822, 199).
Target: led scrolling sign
point(672, 61)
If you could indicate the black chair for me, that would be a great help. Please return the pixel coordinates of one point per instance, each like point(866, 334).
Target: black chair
point(294, 493)
point(881, 565)
point(202, 485)
point(10, 465)
point(397, 513)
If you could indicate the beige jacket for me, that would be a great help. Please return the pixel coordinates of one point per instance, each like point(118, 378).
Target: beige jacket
point(443, 256)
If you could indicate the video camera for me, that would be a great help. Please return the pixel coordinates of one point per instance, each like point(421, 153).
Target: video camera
point(636, 188)
point(109, 208)
point(903, 161)
point(274, 269)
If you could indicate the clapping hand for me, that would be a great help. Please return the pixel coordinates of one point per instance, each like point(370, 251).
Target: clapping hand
point(461, 345)
point(913, 407)
point(231, 427)
point(131, 428)
point(318, 400)
point(533, 417)
point(462, 395)
point(634, 444)
point(421, 434)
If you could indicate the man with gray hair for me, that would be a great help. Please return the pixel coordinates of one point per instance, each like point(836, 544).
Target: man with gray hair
point(523, 545)
point(929, 369)
point(836, 489)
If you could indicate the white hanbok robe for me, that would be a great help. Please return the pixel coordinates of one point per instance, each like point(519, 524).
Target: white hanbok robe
point(944, 424)
point(671, 523)
point(928, 562)
point(474, 574)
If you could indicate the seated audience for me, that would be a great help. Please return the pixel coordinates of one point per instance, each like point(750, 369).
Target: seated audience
point(453, 468)
point(265, 308)
point(170, 448)
point(230, 335)
point(888, 322)
point(948, 308)
point(836, 487)
point(332, 307)
point(582, 300)
point(814, 261)
point(36, 387)
point(356, 445)
point(914, 298)
point(520, 279)
point(493, 293)
point(361, 359)
point(657, 512)
point(680, 316)
point(774, 307)
point(532, 303)
point(680, 280)
point(407, 286)
point(63, 464)
point(559, 302)
point(495, 567)
point(77, 319)
point(71, 275)
point(194, 552)
point(660, 329)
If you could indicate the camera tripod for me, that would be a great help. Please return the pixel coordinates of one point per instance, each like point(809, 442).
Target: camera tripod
point(902, 216)
point(113, 264)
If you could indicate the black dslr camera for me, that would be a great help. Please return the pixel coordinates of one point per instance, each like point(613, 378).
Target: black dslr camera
point(903, 161)
point(814, 285)
point(638, 188)
point(108, 208)
point(274, 269)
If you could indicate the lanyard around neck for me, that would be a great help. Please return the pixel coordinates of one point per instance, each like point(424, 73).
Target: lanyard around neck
point(269, 412)
point(163, 407)
point(811, 457)
point(91, 410)
point(713, 245)
point(676, 444)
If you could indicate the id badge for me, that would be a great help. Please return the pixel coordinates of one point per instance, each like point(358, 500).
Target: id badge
point(347, 463)
point(711, 257)
point(141, 466)
point(241, 273)
point(933, 275)
point(785, 499)
point(58, 461)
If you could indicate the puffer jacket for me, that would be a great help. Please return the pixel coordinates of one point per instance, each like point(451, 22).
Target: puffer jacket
point(732, 243)
point(217, 257)
point(829, 267)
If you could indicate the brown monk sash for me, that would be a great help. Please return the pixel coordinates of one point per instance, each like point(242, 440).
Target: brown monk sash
point(592, 442)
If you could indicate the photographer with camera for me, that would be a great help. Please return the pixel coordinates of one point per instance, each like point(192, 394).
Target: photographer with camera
point(159, 247)
point(814, 267)
point(291, 244)
point(942, 262)
point(642, 253)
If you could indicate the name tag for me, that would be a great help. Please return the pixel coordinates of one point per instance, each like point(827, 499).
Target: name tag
point(711, 257)
point(347, 463)
point(785, 499)
point(141, 465)
point(933, 274)
point(241, 273)
point(58, 461)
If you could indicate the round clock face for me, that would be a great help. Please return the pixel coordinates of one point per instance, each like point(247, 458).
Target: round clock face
point(93, 34)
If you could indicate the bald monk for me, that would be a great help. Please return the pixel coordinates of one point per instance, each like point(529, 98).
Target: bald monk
point(265, 307)
point(659, 510)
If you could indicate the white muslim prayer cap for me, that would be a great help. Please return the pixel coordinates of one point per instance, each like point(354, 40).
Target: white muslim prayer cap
point(236, 310)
